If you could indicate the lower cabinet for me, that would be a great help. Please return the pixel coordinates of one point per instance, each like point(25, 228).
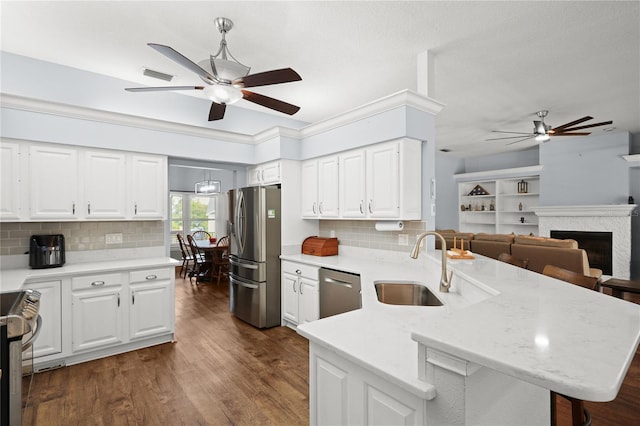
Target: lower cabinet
point(150, 303)
point(343, 393)
point(300, 302)
point(49, 339)
point(97, 311)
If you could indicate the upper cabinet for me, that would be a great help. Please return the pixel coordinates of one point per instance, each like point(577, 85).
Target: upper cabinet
point(381, 181)
point(51, 182)
point(320, 186)
point(10, 178)
point(264, 174)
point(148, 187)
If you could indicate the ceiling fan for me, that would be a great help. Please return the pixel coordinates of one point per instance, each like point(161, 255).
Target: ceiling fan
point(227, 78)
point(542, 131)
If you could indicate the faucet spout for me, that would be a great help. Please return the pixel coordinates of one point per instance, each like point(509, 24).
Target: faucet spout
point(445, 278)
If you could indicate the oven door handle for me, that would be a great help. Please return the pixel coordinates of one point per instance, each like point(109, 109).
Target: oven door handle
point(26, 345)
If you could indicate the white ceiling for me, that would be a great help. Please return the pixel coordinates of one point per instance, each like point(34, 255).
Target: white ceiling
point(494, 63)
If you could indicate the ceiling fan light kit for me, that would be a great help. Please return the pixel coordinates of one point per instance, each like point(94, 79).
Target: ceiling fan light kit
point(226, 77)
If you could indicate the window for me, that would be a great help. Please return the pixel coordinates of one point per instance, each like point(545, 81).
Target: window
point(190, 213)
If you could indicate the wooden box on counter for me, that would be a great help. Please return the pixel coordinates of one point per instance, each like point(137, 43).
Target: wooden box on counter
point(319, 246)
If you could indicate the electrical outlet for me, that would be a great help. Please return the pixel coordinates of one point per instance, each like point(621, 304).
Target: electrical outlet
point(332, 233)
point(403, 239)
point(113, 238)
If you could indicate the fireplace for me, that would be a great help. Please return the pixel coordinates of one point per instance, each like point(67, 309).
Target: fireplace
point(598, 245)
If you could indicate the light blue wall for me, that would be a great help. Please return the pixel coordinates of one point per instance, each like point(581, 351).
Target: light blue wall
point(447, 190)
point(506, 160)
point(586, 170)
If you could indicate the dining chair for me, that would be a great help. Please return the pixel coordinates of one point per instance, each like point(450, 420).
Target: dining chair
point(516, 261)
point(580, 416)
point(221, 260)
point(202, 266)
point(201, 235)
point(187, 257)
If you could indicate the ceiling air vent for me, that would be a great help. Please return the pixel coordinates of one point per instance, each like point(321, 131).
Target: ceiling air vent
point(157, 74)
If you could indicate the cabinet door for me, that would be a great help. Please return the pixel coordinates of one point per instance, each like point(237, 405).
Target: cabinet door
point(290, 297)
point(10, 189)
point(309, 189)
point(105, 184)
point(308, 304)
point(254, 176)
point(49, 340)
point(150, 309)
point(97, 319)
point(148, 187)
point(383, 186)
point(328, 186)
point(53, 182)
point(352, 184)
point(270, 173)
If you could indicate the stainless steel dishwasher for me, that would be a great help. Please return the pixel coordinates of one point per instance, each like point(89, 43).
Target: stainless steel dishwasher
point(339, 292)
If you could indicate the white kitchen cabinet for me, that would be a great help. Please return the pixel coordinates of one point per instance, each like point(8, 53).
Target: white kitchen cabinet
point(353, 189)
point(10, 181)
point(300, 301)
point(264, 174)
point(150, 303)
point(97, 306)
point(105, 186)
point(148, 186)
point(49, 339)
point(320, 188)
point(383, 181)
point(53, 182)
point(343, 393)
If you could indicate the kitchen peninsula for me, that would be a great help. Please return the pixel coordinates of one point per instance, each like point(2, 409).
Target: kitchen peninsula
point(503, 338)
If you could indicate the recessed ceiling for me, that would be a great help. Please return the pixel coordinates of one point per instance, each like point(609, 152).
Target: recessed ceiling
point(494, 64)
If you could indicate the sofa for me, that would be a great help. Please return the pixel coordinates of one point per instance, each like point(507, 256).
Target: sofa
point(539, 251)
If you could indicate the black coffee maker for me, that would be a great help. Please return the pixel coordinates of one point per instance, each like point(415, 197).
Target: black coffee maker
point(46, 251)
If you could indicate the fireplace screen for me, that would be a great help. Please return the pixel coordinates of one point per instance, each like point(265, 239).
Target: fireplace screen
point(598, 245)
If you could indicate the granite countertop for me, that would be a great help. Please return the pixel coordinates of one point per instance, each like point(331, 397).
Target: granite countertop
point(540, 330)
point(14, 279)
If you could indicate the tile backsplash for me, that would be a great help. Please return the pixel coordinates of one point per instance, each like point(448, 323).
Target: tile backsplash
point(82, 236)
point(362, 233)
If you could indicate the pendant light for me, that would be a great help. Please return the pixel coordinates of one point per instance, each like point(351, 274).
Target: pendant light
point(207, 186)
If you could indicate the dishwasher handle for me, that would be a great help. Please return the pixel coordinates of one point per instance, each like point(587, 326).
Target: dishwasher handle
point(337, 282)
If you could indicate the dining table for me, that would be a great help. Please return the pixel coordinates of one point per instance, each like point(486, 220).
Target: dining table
point(212, 251)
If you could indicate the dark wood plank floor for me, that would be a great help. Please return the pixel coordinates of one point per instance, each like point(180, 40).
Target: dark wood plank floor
point(220, 371)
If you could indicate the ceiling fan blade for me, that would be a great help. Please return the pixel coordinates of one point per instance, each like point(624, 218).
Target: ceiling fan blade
point(511, 137)
point(183, 60)
point(156, 89)
point(515, 133)
point(570, 134)
point(268, 102)
point(217, 111)
point(284, 75)
point(588, 126)
point(573, 123)
point(521, 140)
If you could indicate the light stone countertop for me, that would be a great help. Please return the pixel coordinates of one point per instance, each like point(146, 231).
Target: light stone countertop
point(540, 330)
point(14, 279)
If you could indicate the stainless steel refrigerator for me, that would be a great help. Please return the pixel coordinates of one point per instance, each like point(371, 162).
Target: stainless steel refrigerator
point(254, 255)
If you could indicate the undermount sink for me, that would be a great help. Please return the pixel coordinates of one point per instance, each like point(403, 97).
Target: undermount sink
point(405, 293)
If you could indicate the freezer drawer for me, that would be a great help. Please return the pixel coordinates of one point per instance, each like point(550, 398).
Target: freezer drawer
point(252, 302)
point(339, 292)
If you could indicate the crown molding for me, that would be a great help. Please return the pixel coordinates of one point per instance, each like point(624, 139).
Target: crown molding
point(605, 210)
point(84, 113)
point(502, 173)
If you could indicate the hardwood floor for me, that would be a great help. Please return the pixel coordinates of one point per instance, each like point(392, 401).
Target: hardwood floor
point(220, 371)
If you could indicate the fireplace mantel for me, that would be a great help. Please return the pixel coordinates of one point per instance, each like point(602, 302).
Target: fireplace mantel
point(614, 218)
point(607, 210)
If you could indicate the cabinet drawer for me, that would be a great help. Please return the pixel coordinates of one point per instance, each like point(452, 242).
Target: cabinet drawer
point(305, 270)
point(96, 281)
point(147, 275)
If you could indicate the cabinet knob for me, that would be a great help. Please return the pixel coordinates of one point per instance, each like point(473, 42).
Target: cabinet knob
point(314, 208)
point(89, 207)
point(320, 207)
point(370, 202)
point(361, 206)
point(293, 285)
point(97, 283)
point(151, 277)
point(298, 271)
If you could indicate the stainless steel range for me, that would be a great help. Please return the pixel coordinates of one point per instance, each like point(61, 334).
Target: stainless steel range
point(19, 317)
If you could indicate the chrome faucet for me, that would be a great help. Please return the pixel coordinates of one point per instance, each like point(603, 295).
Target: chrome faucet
point(445, 279)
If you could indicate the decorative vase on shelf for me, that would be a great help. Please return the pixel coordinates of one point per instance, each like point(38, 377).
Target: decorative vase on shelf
point(492, 206)
point(523, 187)
point(520, 206)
